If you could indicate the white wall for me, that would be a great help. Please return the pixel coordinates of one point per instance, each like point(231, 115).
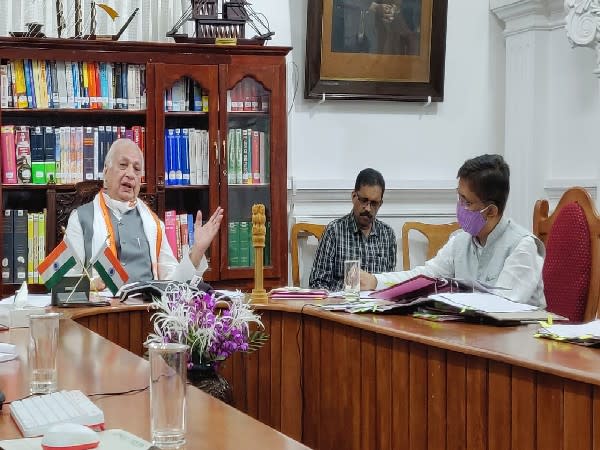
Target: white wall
point(331, 142)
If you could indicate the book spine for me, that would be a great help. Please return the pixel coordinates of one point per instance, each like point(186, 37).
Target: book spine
point(244, 244)
point(233, 247)
point(171, 229)
point(49, 154)
point(20, 246)
point(41, 253)
point(37, 155)
point(255, 157)
point(30, 260)
point(23, 154)
point(7, 247)
point(4, 86)
point(9, 160)
point(184, 142)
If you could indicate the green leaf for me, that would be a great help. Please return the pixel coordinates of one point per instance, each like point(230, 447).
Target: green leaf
point(256, 340)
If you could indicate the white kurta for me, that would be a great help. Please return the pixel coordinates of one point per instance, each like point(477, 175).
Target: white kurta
point(165, 268)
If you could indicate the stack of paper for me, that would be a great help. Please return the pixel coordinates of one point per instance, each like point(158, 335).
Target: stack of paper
point(582, 334)
point(296, 293)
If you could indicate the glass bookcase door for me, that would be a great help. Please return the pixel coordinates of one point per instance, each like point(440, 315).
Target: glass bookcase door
point(248, 159)
point(186, 134)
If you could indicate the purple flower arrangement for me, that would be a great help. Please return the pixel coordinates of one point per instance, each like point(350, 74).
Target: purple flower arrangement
point(213, 330)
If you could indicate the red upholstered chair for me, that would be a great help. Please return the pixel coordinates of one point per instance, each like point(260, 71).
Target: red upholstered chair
point(571, 271)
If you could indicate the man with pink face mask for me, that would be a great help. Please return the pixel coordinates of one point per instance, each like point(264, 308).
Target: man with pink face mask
point(490, 248)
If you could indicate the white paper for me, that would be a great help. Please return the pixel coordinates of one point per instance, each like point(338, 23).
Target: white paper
point(484, 302)
point(575, 331)
point(8, 352)
point(40, 300)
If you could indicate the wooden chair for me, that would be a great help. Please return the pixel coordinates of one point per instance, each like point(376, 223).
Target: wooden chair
point(436, 234)
point(308, 229)
point(571, 271)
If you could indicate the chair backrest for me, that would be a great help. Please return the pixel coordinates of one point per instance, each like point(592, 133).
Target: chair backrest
point(436, 234)
point(308, 229)
point(571, 271)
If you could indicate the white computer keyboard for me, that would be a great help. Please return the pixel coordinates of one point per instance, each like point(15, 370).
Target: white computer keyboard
point(34, 415)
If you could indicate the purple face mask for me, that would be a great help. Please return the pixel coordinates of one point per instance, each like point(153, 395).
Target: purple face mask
point(470, 221)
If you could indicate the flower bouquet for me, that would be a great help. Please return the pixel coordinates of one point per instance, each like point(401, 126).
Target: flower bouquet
point(213, 329)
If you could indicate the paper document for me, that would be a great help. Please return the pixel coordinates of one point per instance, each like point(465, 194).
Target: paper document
point(39, 300)
point(482, 302)
point(8, 352)
point(590, 330)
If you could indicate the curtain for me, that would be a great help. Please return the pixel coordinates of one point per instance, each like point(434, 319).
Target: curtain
point(153, 20)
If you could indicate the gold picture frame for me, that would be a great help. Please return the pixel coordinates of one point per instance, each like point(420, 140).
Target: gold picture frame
point(376, 49)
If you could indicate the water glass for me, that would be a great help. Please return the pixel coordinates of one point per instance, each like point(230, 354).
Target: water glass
point(42, 352)
point(168, 376)
point(352, 279)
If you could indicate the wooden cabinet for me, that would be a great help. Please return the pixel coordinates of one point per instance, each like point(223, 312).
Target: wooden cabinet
point(232, 98)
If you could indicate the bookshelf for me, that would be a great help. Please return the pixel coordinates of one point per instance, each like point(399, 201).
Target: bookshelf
point(211, 119)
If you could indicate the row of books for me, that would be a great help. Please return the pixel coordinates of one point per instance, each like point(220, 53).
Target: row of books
point(186, 95)
point(186, 156)
point(38, 84)
point(43, 154)
point(179, 229)
point(247, 156)
point(248, 96)
point(240, 252)
point(23, 245)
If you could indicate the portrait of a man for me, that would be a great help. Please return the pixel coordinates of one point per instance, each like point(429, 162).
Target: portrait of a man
point(387, 27)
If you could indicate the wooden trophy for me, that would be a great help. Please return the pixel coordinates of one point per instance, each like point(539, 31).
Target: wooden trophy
point(258, 242)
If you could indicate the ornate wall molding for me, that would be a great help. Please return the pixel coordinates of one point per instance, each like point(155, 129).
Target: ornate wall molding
point(583, 26)
point(521, 16)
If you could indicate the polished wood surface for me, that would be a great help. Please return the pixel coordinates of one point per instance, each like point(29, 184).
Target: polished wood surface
point(96, 366)
point(392, 382)
point(334, 380)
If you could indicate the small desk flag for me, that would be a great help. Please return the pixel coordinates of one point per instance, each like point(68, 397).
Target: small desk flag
point(109, 269)
point(57, 264)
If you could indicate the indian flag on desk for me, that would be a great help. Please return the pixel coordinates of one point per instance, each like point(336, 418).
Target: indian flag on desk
point(109, 269)
point(57, 264)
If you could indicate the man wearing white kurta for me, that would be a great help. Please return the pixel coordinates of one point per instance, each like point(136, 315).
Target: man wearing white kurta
point(490, 248)
point(132, 230)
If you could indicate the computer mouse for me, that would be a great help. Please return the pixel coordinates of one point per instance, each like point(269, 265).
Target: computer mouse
point(70, 436)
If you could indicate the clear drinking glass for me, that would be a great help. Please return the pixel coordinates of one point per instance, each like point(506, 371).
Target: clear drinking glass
point(168, 375)
point(43, 348)
point(352, 279)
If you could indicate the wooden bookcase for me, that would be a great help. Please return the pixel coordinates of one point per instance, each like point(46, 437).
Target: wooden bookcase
point(226, 74)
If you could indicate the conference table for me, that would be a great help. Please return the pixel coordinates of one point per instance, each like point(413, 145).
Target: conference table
point(363, 381)
point(117, 381)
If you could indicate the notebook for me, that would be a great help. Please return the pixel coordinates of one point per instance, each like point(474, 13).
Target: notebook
point(419, 286)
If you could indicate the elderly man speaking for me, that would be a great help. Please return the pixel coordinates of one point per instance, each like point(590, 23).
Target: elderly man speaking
point(135, 234)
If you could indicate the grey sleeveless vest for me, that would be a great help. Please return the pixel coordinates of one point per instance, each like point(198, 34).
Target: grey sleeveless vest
point(133, 250)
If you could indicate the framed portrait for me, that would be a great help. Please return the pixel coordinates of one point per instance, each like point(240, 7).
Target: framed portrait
point(376, 49)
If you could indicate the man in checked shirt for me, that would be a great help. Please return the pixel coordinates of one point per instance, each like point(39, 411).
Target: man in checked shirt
point(358, 235)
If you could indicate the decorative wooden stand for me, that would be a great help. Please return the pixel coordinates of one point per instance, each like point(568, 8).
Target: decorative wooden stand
point(258, 242)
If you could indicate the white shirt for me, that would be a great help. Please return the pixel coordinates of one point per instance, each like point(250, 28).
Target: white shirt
point(521, 272)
